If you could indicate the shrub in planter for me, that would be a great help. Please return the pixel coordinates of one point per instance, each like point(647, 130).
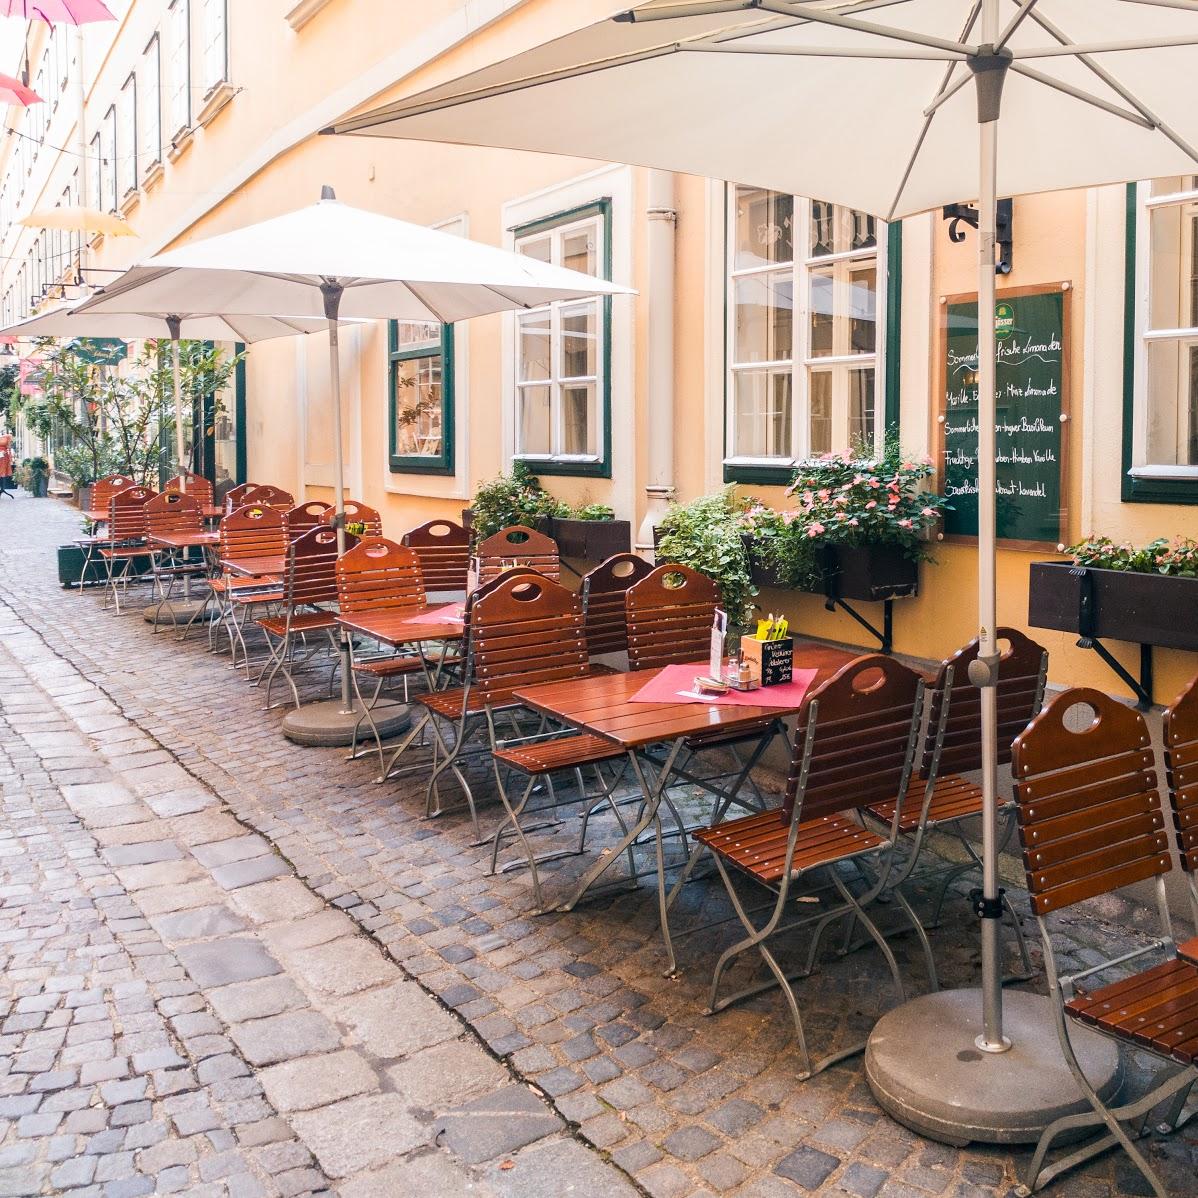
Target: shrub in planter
point(516, 498)
point(37, 476)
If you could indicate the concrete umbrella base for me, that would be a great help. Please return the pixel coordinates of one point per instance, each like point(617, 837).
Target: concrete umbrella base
point(177, 613)
point(926, 1071)
point(328, 724)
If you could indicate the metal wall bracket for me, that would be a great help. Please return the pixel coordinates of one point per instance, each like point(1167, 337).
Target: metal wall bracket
point(1141, 687)
point(1004, 219)
point(885, 636)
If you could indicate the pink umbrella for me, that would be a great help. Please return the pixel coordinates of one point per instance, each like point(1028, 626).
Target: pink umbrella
point(56, 12)
point(13, 91)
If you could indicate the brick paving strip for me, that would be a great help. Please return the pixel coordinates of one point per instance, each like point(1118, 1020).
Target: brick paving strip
point(690, 1107)
point(182, 1014)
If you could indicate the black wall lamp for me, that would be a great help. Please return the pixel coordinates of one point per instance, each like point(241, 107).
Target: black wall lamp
point(1004, 220)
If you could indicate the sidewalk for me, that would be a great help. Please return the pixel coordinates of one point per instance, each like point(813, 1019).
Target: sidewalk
point(393, 958)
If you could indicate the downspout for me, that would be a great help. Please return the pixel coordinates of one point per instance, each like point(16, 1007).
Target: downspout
point(81, 147)
point(659, 488)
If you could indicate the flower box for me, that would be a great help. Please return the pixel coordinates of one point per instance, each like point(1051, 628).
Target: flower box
point(865, 573)
point(70, 566)
point(594, 540)
point(1124, 605)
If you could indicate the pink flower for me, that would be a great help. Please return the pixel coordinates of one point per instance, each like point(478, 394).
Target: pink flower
point(928, 511)
point(825, 494)
point(905, 524)
point(854, 521)
point(815, 529)
point(873, 482)
point(871, 504)
point(893, 502)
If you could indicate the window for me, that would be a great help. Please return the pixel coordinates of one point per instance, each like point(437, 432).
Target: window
point(108, 193)
point(97, 172)
point(804, 346)
point(563, 351)
point(420, 397)
point(215, 35)
point(149, 120)
point(126, 163)
point(179, 66)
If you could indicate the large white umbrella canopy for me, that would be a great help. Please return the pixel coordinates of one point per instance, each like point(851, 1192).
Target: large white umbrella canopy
point(69, 322)
point(334, 261)
point(891, 106)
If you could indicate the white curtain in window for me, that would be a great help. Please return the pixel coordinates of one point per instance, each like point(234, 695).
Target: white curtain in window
point(149, 117)
point(179, 65)
point(215, 43)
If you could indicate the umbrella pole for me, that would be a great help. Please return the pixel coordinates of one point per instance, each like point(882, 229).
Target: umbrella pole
point(173, 324)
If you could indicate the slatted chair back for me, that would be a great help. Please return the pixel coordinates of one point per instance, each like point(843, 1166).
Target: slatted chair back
point(103, 489)
point(670, 613)
point(857, 739)
point(1181, 771)
point(603, 594)
point(444, 551)
point(238, 496)
point(518, 545)
point(378, 575)
point(305, 516)
point(311, 574)
point(173, 512)
point(127, 513)
point(1022, 672)
point(1086, 798)
point(358, 513)
point(197, 485)
point(253, 531)
point(524, 630)
point(274, 497)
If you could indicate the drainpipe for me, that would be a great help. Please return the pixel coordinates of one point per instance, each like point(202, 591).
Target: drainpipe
point(659, 489)
point(81, 148)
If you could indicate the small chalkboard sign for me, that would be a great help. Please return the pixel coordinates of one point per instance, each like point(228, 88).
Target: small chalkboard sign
point(1032, 408)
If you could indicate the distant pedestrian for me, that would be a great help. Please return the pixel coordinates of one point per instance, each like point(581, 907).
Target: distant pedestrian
point(5, 463)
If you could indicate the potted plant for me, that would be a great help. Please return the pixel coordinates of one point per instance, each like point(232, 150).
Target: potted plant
point(859, 529)
point(591, 531)
point(1144, 594)
point(707, 534)
point(515, 498)
point(37, 476)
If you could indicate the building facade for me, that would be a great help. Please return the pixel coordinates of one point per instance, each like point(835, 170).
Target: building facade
point(765, 328)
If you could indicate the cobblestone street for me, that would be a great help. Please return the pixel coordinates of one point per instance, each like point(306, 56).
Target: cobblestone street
point(234, 966)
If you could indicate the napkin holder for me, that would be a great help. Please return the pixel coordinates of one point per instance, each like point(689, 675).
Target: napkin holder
point(770, 662)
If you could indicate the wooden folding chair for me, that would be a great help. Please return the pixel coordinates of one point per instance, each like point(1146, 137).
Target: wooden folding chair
point(308, 605)
point(168, 513)
point(306, 516)
point(856, 742)
point(250, 532)
point(126, 540)
point(527, 630)
point(197, 485)
point(1090, 822)
point(443, 548)
point(357, 513)
point(379, 575)
point(102, 491)
point(1181, 771)
point(517, 546)
point(939, 797)
point(670, 613)
point(605, 611)
point(274, 497)
point(238, 496)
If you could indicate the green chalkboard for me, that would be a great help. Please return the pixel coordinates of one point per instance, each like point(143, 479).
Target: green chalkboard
point(1031, 407)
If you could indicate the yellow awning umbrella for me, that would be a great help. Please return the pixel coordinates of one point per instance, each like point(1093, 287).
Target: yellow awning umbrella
point(79, 220)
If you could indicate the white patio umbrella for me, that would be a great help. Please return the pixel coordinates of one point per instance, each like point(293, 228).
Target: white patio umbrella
point(891, 106)
point(332, 261)
point(69, 322)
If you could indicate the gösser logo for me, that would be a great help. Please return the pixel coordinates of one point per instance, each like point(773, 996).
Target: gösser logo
point(1004, 321)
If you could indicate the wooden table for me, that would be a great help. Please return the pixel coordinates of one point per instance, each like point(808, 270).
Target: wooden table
point(199, 537)
point(396, 628)
point(255, 567)
point(603, 705)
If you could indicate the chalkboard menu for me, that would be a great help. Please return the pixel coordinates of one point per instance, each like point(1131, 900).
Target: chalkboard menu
point(1032, 404)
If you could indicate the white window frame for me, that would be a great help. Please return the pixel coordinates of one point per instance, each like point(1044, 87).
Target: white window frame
point(109, 199)
point(801, 362)
point(179, 105)
point(214, 46)
point(126, 136)
point(556, 382)
point(1146, 205)
point(97, 171)
point(152, 102)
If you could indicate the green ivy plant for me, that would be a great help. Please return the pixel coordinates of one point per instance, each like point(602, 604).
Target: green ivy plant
point(515, 498)
point(707, 534)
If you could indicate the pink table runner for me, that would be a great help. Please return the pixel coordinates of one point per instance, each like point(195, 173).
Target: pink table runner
point(675, 684)
point(451, 613)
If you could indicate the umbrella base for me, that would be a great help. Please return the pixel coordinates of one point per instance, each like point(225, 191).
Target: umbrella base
point(926, 1071)
point(328, 725)
point(177, 612)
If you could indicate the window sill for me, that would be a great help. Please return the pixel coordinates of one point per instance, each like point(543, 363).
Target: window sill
point(154, 173)
point(131, 200)
point(216, 98)
point(1161, 484)
point(1163, 473)
point(180, 144)
point(399, 465)
point(300, 14)
point(758, 474)
point(568, 467)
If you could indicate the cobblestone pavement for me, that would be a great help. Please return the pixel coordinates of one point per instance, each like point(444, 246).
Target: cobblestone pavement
point(575, 1004)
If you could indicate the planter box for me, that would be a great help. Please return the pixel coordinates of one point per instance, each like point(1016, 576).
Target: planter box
point(541, 524)
point(865, 573)
point(594, 540)
point(1146, 609)
point(70, 567)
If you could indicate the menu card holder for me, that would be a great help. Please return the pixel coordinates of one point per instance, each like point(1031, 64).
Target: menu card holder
point(771, 662)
